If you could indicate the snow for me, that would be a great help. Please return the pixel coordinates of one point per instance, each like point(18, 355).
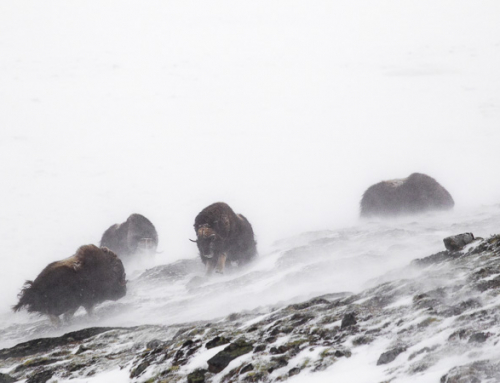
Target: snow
point(287, 111)
point(115, 375)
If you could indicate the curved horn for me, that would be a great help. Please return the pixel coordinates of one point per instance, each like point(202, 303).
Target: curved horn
point(192, 240)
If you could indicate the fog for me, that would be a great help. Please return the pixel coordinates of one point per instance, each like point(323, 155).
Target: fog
point(287, 111)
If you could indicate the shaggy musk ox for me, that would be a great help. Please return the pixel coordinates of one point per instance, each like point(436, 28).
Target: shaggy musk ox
point(416, 194)
point(223, 235)
point(91, 276)
point(136, 235)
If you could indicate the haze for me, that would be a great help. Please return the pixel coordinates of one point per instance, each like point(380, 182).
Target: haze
point(286, 110)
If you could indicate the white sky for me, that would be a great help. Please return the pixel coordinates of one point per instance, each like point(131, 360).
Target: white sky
point(287, 110)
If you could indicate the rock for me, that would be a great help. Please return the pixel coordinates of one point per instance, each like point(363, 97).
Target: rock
point(348, 320)
point(155, 343)
point(35, 363)
point(197, 376)
point(278, 350)
point(248, 367)
point(217, 341)
point(437, 258)
point(479, 337)
point(4, 378)
point(220, 360)
point(458, 242)
point(476, 372)
point(362, 339)
point(45, 344)
point(139, 370)
point(40, 377)
point(389, 356)
point(277, 363)
point(259, 348)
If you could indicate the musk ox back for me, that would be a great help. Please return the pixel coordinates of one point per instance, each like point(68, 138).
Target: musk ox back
point(89, 277)
point(223, 235)
point(416, 194)
point(136, 235)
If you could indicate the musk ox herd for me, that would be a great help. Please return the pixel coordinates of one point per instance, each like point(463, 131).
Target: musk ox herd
point(96, 274)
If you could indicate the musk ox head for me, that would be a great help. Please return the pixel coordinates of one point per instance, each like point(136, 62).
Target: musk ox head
point(114, 282)
point(89, 277)
point(415, 194)
point(141, 235)
point(209, 242)
point(137, 235)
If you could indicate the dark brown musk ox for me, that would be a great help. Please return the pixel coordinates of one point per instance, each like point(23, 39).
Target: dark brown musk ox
point(137, 235)
point(91, 276)
point(223, 236)
point(415, 194)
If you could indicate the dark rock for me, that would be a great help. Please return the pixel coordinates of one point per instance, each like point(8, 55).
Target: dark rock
point(362, 339)
point(197, 376)
point(299, 319)
point(312, 302)
point(35, 363)
point(248, 367)
point(76, 367)
point(277, 363)
point(479, 337)
point(4, 378)
point(476, 372)
point(187, 343)
point(389, 356)
point(81, 349)
point(40, 377)
point(259, 348)
point(488, 285)
point(459, 334)
point(217, 341)
point(275, 331)
point(349, 319)
point(254, 377)
point(278, 350)
point(440, 257)
point(220, 360)
point(45, 344)
point(294, 371)
point(155, 343)
point(458, 242)
point(425, 349)
point(139, 369)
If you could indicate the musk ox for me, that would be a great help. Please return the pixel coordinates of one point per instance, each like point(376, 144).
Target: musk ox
point(136, 235)
point(223, 236)
point(416, 194)
point(89, 277)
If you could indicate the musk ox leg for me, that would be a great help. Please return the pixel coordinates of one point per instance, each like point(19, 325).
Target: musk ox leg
point(54, 319)
point(209, 267)
point(221, 263)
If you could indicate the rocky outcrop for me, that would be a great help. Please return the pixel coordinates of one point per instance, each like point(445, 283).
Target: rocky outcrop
point(442, 307)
